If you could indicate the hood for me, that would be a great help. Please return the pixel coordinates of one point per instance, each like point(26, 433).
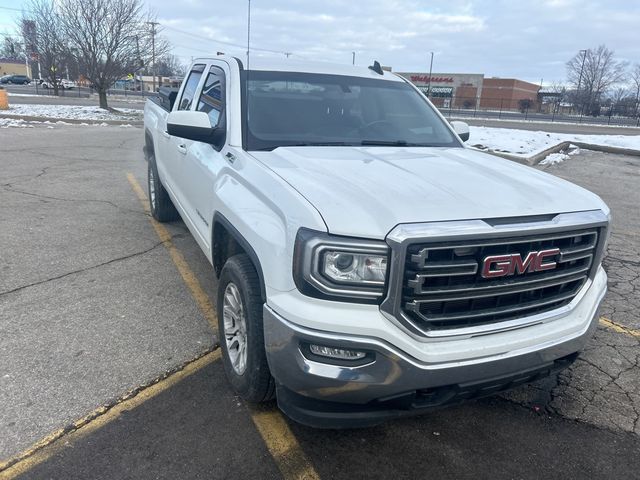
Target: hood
point(366, 191)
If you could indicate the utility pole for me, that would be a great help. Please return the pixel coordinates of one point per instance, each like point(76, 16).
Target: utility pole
point(353, 58)
point(430, 72)
point(584, 56)
point(153, 54)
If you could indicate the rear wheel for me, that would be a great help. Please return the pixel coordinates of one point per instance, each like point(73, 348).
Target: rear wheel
point(241, 331)
point(160, 204)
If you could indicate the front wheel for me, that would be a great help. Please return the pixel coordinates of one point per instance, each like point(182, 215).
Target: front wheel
point(241, 331)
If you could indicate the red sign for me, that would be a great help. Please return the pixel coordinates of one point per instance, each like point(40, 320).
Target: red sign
point(425, 79)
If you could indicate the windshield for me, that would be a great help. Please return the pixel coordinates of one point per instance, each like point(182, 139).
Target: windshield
point(300, 109)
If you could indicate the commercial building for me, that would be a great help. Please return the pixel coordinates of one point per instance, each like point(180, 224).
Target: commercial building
point(12, 67)
point(508, 94)
point(474, 91)
point(448, 87)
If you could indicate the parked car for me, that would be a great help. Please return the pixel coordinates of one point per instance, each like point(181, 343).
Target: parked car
point(16, 79)
point(62, 83)
point(369, 264)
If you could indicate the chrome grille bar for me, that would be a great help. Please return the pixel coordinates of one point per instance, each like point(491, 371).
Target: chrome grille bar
point(443, 287)
point(497, 310)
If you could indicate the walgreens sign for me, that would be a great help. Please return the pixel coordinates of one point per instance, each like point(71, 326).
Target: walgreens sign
point(425, 79)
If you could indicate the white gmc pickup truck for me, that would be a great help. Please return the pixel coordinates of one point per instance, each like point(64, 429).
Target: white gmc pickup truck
point(369, 264)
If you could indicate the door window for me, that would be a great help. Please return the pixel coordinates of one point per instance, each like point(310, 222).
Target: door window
point(190, 87)
point(212, 97)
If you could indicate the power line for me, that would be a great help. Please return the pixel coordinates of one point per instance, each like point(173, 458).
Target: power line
point(14, 9)
point(202, 37)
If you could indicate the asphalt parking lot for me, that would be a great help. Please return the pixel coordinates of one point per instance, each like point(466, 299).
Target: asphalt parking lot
point(109, 366)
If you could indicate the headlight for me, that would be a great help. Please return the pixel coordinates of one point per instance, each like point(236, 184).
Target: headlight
point(340, 268)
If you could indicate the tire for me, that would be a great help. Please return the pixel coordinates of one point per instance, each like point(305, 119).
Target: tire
point(254, 382)
point(160, 204)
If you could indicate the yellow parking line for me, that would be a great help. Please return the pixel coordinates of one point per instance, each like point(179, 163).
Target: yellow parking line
point(282, 445)
point(190, 280)
point(100, 417)
point(275, 432)
point(619, 328)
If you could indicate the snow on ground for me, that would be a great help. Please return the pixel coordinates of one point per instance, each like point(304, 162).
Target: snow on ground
point(528, 142)
point(12, 94)
point(10, 122)
point(73, 112)
point(19, 123)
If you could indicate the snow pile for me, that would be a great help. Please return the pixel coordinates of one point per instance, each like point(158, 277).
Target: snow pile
point(528, 142)
point(560, 156)
point(74, 112)
point(554, 158)
point(10, 122)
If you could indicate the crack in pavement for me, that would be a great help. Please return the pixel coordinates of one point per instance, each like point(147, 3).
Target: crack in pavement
point(93, 267)
point(9, 188)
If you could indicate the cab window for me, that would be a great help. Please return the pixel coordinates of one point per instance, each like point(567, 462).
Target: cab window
point(190, 87)
point(212, 97)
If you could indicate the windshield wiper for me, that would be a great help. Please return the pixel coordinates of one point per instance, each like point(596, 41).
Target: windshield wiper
point(309, 144)
point(393, 143)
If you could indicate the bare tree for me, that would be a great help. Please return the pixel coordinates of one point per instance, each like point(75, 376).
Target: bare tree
point(634, 76)
point(559, 91)
point(49, 42)
point(619, 101)
point(170, 65)
point(593, 72)
point(111, 37)
point(11, 48)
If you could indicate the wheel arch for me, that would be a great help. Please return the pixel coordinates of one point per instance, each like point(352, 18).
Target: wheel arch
point(148, 147)
point(227, 241)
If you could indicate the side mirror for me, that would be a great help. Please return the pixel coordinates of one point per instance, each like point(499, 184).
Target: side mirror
point(194, 126)
point(462, 129)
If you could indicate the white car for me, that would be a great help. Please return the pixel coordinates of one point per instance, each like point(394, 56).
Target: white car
point(63, 83)
point(369, 264)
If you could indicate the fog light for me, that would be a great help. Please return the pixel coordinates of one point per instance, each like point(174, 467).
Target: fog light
point(337, 353)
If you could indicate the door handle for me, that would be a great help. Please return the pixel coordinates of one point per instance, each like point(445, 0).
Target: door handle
point(182, 148)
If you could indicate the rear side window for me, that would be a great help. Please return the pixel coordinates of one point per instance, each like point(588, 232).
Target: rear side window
point(212, 97)
point(190, 87)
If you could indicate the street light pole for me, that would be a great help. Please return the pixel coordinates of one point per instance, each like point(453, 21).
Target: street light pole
point(353, 58)
point(430, 72)
point(584, 56)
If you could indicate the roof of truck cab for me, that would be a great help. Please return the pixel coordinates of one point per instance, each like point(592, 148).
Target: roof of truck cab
point(291, 65)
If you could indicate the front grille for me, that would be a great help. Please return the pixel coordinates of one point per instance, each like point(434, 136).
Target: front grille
point(443, 287)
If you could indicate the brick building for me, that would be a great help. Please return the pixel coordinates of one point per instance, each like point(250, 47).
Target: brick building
point(473, 90)
point(507, 93)
point(448, 87)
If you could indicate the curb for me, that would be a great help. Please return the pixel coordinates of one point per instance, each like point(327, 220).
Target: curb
point(75, 121)
point(607, 149)
point(538, 157)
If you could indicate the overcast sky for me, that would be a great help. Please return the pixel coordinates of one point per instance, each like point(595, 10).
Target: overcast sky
point(530, 40)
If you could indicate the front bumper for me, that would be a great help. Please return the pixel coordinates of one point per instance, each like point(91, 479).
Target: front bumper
point(394, 383)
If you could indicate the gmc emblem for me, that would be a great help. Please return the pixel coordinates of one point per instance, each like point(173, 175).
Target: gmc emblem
point(504, 265)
